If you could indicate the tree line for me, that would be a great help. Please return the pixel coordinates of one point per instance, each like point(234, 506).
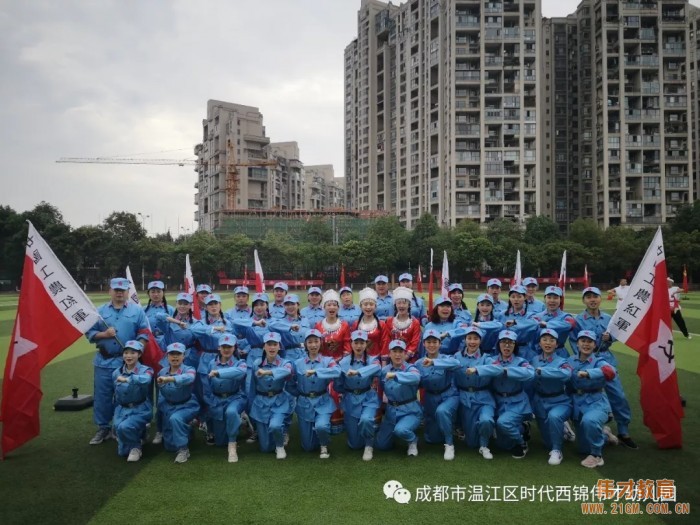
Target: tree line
point(95, 253)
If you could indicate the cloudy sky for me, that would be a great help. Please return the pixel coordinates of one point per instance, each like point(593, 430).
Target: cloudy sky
point(132, 78)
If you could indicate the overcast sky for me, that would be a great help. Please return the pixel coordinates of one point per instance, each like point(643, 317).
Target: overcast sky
point(132, 78)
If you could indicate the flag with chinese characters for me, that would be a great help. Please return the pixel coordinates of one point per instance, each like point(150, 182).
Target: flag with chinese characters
point(190, 288)
point(562, 279)
point(259, 277)
point(52, 313)
point(518, 276)
point(643, 322)
point(445, 275)
point(152, 352)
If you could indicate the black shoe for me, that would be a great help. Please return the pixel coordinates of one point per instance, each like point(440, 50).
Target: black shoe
point(526, 431)
point(518, 452)
point(211, 440)
point(627, 441)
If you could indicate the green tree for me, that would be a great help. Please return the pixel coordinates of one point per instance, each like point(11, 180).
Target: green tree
point(541, 229)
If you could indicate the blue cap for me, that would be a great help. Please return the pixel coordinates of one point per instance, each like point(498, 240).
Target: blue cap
point(359, 334)
point(381, 279)
point(405, 277)
point(281, 285)
point(313, 333)
point(272, 336)
point(119, 283)
point(156, 284)
point(494, 282)
point(397, 343)
point(484, 297)
point(553, 290)
point(291, 298)
point(134, 345)
point(212, 297)
point(529, 281)
point(443, 300)
point(431, 333)
point(176, 347)
point(474, 330)
point(228, 340)
point(203, 288)
point(260, 297)
point(548, 331)
point(590, 334)
point(314, 289)
point(184, 296)
point(507, 334)
point(455, 286)
point(345, 289)
point(517, 289)
point(241, 289)
point(591, 289)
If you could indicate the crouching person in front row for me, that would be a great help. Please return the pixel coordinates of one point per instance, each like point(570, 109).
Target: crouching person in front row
point(177, 402)
point(132, 383)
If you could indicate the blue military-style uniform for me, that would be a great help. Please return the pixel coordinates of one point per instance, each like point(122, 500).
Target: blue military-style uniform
point(477, 405)
point(271, 403)
point(385, 307)
point(349, 315)
point(133, 407)
point(450, 344)
point(313, 314)
point(226, 398)
point(550, 401)
point(441, 398)
point(292, 340)
point(178, 407)
point(403, 411)
point(559, 321)
point(360, 400)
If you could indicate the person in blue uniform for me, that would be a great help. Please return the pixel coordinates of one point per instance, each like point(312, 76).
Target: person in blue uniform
point(201, 292)
point(553, 317)
point(551, 403)
point(509, 374)
point(349, 311)
point(596, 321)
point(176, 402)
point(441, 399)
point(488, 322)
point(533, 304)
point(271, 403)
point(385, 302)
point(279, 290)
point(292, 327)
point(157, 304)
point(121, 322)
point(254, 327)
point(459, 307)
point(226, 395)
point(313, 312)
point(442, 320)
point(399, 381)
point(132, 384)
point(591, 408)
point(241, 309)
point(312, 376)
point(417, 303)
point(476, 403)
point(493, 288)
point(360, 401)
point(517, 320)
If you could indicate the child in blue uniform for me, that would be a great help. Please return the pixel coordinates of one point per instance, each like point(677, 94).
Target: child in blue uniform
point(271, 403)
point(360, 401)
point(312, 376)
point(477, 406)
point(226, 396)
point(400, 381)
point(132, 384)
point(441, 399)
point(177, 402)
point(590, 404)
point(550, 401)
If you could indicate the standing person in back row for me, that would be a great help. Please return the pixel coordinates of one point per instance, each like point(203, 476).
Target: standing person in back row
point(385, 302)
point(121, 322)
point(276, 308)
point(674, 298)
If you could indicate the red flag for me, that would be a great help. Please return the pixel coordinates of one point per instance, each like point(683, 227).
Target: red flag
point(585, 276)
point(643, 322)
point(152, 352)
point(419, 280)
point(685, 280)
point(259, 277)
point(190, 288)
point(430, 285)
point(342, 275)
point(53, 312)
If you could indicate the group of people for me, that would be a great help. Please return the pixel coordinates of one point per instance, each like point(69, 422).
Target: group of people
point(377, 369)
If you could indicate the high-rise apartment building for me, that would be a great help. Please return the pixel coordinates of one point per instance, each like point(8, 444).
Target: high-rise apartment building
point(324, 191)
point(694, 115)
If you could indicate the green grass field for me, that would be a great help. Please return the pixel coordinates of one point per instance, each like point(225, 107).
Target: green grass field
point(59, 478)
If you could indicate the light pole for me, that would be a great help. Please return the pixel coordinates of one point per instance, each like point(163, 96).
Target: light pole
point(143, 220)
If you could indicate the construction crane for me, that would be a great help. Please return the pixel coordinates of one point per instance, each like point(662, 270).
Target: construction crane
point(232, 176)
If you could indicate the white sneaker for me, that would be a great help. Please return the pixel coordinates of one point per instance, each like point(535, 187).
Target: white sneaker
point(555, 457)
point(134, 455)
point(286, 439)
point(280, 452)
point(324, 453)
point(203, 427)
point(232, 453)
point(182, 455)
point(368, 454)
point(610, 437)
point(593, 462)
point(413, 449)
point(157, 439)
point(102, 434)
point(485, 452)
point(569, 434)
point(449, 452)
